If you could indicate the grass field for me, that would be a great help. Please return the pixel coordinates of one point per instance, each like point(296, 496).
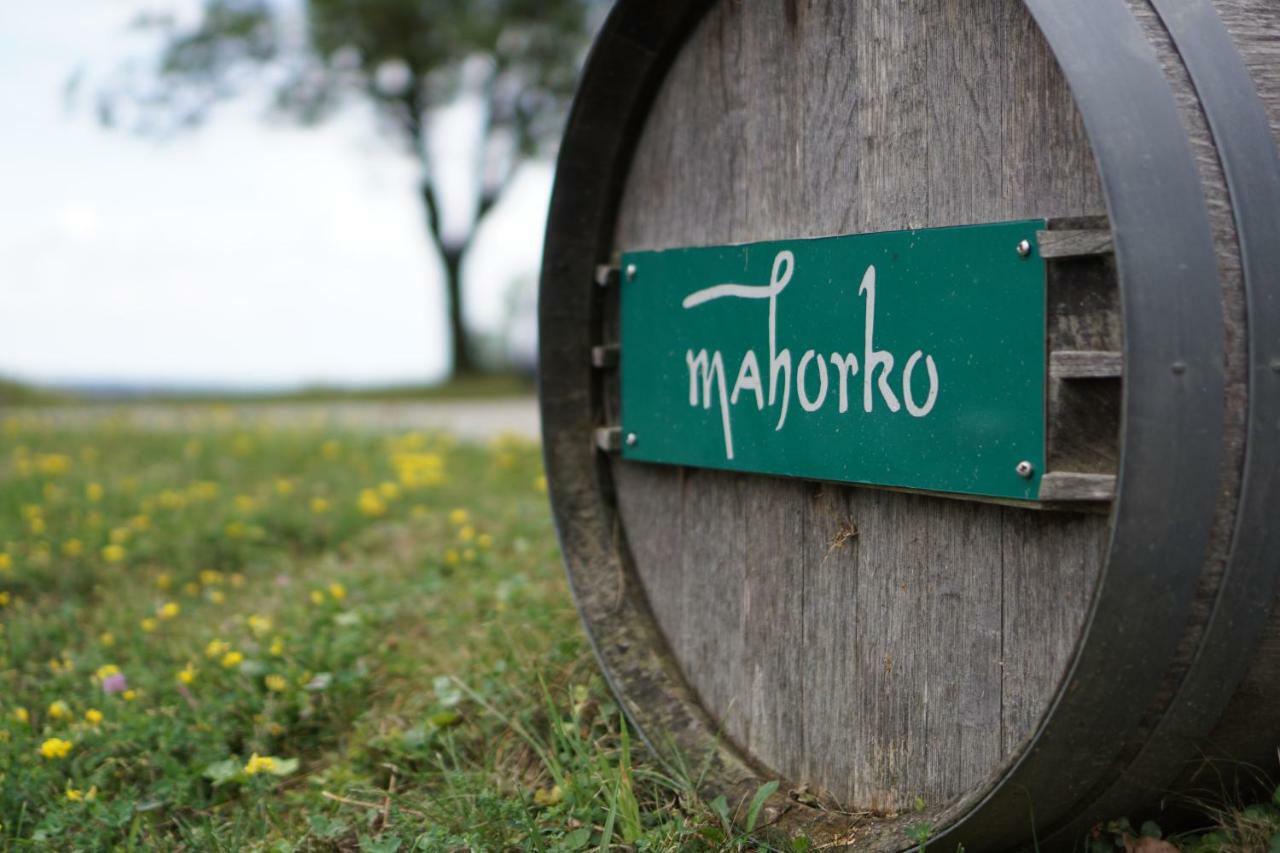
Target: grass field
point(235, 639)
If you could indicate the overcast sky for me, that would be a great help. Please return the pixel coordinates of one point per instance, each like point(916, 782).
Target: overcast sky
point(246, 253)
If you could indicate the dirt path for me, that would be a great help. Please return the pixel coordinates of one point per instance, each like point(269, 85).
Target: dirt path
point(467, 419)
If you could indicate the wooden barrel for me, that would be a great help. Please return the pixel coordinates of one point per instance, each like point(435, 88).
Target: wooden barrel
point(1001, 672)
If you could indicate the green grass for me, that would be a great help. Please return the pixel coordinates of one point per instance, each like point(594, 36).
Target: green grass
point(383, 620)
point(236, 639)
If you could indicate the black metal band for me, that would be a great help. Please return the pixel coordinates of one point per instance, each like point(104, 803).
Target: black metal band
point(1242, 138)
point(1172, 424)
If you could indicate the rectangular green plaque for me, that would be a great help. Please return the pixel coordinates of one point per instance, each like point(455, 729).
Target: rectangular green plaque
point(910, 359)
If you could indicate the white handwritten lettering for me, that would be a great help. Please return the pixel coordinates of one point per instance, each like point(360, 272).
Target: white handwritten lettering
point(708, 385)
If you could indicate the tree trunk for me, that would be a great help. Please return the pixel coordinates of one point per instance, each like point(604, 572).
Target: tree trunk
point(463, 364)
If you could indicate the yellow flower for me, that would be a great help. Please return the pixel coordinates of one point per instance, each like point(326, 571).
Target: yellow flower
point(216, 648)
point(169, 610)
point(129, 695)
point(276, 683)
point(59, 710)
point(187, 674)
point(338, 591)
point(317, 597)
point(93, 716)
point(466, 533)
point(113, 553)
point(37, 525)
point(4, 598)
point(93, 491)
point(203, 490)
point(106, 671)
point(140, 522)
point(164, 580)
point(107, 639)
point(258, 624)
point(389, 490)
point(330, 449)
point(259, 764)
point(468, 555)
point(451, 556)
point(209, 577)
point(545, 797)
point(53, 463)
point(21, 715)
point(216, 596)
point(319, 505)
point(245, 503)
point(284, 487)
point(371, 503)
point(55, 747)
point(540, 484)
point(234, 530)
point(148, 625)
point(484, 541)
point(459, 517)
point(232, 659)
point(6, 562)
point(119, 535)
point(277, 647)
point(72, 548)
point(75, 795)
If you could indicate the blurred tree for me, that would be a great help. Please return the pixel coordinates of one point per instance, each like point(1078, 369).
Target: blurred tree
point(518, 59)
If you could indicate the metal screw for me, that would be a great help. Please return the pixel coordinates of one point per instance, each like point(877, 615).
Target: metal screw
point(1024, 248)
point(1275, 365)
point(631, 272)
point(632, 439)
point(1179, 367)
point(1025, 469)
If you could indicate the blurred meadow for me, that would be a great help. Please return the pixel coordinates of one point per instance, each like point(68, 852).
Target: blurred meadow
point(235, 637)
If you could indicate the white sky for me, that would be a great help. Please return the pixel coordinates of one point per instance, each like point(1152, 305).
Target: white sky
point(245, 253)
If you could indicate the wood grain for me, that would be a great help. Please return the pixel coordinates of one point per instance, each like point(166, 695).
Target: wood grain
point(858, 641)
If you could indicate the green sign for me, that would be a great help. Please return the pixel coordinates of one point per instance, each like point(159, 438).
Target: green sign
point(910, 359)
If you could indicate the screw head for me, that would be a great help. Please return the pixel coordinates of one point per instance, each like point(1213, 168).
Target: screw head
point(1025, 469)
point(1024, 248)
point(1275, 365)
point(1178, 367)
point(632, 439)
point(631, 272)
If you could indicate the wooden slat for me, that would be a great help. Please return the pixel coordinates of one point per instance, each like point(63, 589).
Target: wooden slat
point(1073, 244)
point(1085, 364)
point(1066, 486)
point(962, 543)
point(1049, 574)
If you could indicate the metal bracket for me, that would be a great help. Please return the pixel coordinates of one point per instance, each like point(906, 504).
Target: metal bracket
point(609, 439)
point(605, 356)
point(608, 275)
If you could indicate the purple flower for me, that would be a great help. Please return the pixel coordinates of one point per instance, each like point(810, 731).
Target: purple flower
point(116, 683)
